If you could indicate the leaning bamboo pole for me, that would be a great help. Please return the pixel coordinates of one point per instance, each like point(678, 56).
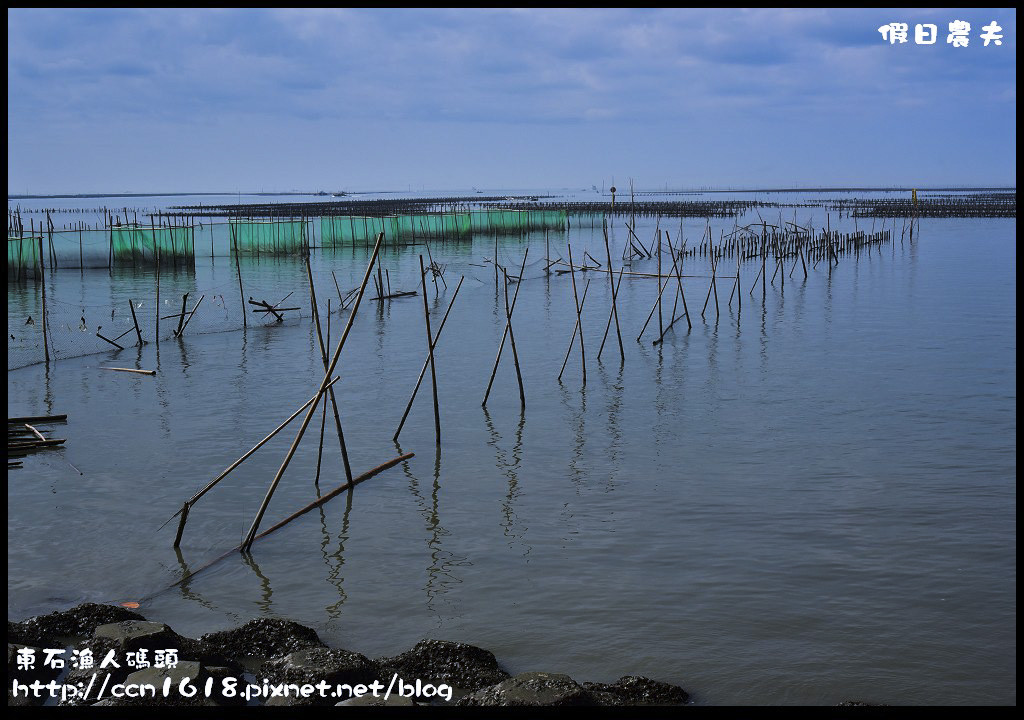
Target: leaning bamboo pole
point(508, 317)
point(313, 505)
point(615, 291)
point(323, 357)
point(251, 536)
point(426, 361)
point(579, 319)
point(512, 339)
point(430, 354)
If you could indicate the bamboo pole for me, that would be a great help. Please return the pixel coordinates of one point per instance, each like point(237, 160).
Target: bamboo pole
point(312, 506)
point(238, 269)
point(579, 319)
point(156, 252)
point(430, 354)
point(39, 419)
point(653, 308)
point(135, 321)
point(101, 337)
point(131, 370)
point(574, 329)
point(615, 292)
point(323, 387)
point(323, 356)
point(426, 362)
point(512, 339)
point(210, 485)
point(185, 325)
point(608, 325)
point(42, 290)
point(501, 345)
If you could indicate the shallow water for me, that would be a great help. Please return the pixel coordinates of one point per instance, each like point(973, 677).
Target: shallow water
point(810, 500)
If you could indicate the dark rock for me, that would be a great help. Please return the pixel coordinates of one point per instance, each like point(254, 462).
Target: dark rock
point(379, 700)
point(38, 673)
point(531, 689)
point(860, 703)
point(262, 638)
point(219, 675)
point(80, 678)
point(133, 635)
point(313, 665)
point(55, 629)
point(188, 670)
point(636, 690)
point(456, 664)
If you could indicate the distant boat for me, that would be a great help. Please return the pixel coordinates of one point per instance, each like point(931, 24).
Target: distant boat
point(340, 193)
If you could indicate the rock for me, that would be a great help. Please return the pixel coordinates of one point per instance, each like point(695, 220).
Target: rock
point(310, 666)
point(80, 678)
point(860, 703)
point(262, 638)
point(219, 675)
point(38, 673)
point(370, 699)
point(55, 629)
point(636, 690)
point(531, 689)
point(188, 670)
point(134, 635)
point(459, 665)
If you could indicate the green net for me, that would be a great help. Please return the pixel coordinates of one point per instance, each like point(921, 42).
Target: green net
point(359, 230)
point(139, 245)
point(271, 238)
point(22, 257)
point(496, 221)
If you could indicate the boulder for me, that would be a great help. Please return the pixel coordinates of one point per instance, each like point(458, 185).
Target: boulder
point(57, 628)
point(37, 673)
point(636, 690)
point(262, 638)
point(317, 664)
point(531, 689)
point(466, 667)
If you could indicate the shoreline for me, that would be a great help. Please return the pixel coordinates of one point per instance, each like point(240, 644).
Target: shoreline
point(276, 662)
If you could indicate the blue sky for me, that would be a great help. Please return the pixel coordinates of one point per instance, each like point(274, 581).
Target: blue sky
point(227, 100)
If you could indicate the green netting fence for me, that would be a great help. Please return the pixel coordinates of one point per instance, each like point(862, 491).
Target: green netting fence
point(139, 245)
point(287, 237)
point(361, 230)
point(504, 222)
point(22, 257)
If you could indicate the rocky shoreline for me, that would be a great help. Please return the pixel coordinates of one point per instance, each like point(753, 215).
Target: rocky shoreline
point(275, 662)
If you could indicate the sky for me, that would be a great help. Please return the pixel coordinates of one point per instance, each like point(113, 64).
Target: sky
point(275, 100)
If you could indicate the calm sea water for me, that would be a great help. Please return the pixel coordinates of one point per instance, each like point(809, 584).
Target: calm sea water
point(811, 499)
